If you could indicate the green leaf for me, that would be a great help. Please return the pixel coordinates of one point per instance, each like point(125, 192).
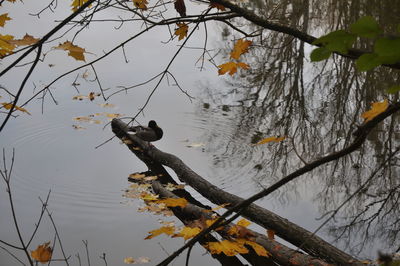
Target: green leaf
point(368, 61)
point(393, 90)
point(337, 41)
point(320, 54)
point(366, 27)
point(388, 50)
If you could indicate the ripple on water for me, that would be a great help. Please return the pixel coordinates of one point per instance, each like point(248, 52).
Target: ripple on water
point(232, 158)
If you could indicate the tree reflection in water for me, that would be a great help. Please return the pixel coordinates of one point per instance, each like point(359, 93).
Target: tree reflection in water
point(318, 106)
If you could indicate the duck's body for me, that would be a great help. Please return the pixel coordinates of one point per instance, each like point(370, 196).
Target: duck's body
point(150, 133)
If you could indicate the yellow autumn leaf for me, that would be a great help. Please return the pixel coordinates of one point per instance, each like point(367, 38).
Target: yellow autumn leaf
point(375, 110)
point(77, 4)
point(241, 47)
point(3, 18)
point(174, 202)
point(188, 232)
point(182, 30)
point(129, 260)
point(9, 105)
point(42, 253)
point(169, 230)
point(137, 176)
point(260, 250)
point(210, 222)
point(231, 67)
point(73, 50)
point(142, 4)
point(146, 196)
point(243, 222)
point(270, 139)
point(26, 40)
point(227, 247)
point(5, 46)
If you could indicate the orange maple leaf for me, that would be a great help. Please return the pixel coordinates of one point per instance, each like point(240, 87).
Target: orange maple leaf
point(241, 47)
point(142, 4)
point(77, 4)
point(227, 247)
point(42, 253)
point(173, 202)
point(260, 250)
point(270, 139)
point(3, 18)
point(5, 46)
point(169, 230)
point(231, 67)
point(182, 30)
point(9, 105)
point(375, 110)
point(188, 232)
point(271, 234)
point(26, 40)
point(73, 50)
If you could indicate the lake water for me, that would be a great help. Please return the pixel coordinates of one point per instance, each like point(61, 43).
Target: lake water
point(87, 183)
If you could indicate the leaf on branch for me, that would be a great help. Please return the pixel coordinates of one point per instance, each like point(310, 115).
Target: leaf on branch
point(77, 4)
point(26, 40)
point(337, 41)
point(231, 67)
point(319, 54)
point(376, 109)
point(227, 247)
point(366, 27)
point(168, 230)
point(146, 196)
point(73, 50)
point(243, 222)
point(182, 30)
point(42, 253)
point(241, 47)
point(180, 7)
point(3, 18)
point(260, 250)
point(188, 232)
point(393, 90)
point(217, 6)
point(5, 46)
point(9, 105)
point(270, 139)
point(271, 234)
point(174, 202)
point(141, 4)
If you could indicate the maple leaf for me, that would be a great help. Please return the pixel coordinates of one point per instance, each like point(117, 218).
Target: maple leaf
point(188, 232)
point(73, 50)
point(229, 248)
point(217, 6)
point(376, 109)
point(5, 46)
point(42, 253)
point(3, 18)
point(182, 30)
point(231, 67)
point(180, 7)
point(241, 47)
point(241, 232)
point(260, 250)
point(243, 222)
point(142, 4)
point(148, 196)
point(77, 4)
point(271, 234)
point(169, 230)
point(174, 202)
point(210, 222)
point(9, 105)
point(26, 40)
point(270, 139)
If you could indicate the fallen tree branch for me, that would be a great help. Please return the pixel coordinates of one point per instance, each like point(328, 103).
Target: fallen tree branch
point(285, 229)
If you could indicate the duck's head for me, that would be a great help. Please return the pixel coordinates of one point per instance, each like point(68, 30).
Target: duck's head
point(152, 124)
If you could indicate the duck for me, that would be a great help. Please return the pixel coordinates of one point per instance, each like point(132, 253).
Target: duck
point(150, 133)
